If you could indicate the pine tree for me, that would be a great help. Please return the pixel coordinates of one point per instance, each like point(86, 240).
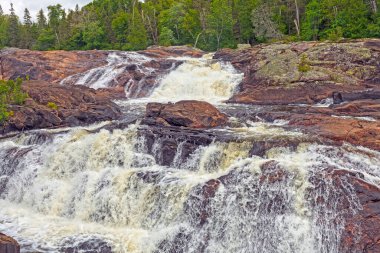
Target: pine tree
point(56, 16)
point(13, 28)
point(27, 18)
point(41, 20)
point(27, 32)
point(3, 29)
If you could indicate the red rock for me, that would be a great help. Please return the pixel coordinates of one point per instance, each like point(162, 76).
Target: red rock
point(272, 75)
point(51, 66)
point(8, 244)
point(355, 131)
point(188, 113)
point(76, 105)
point(361, 231)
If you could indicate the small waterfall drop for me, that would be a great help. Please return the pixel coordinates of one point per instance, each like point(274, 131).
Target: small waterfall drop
point(107, 76)
point(200, 79)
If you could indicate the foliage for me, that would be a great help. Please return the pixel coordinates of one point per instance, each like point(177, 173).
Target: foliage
point(304, 65)
point(209, 25)
point(52, 105)
point(10, 94)
point(166, 37)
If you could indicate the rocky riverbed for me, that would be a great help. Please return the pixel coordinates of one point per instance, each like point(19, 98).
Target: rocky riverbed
point(281, 153)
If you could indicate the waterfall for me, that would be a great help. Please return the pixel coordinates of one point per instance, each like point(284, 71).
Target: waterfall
point(106, 188)
point(180, 78)
point(119, 63)
point(200, 79)
point(109, 188)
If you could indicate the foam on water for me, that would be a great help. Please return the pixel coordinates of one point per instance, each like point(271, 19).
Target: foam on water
point(106, 76)
point(201, 79)
point(106, 186)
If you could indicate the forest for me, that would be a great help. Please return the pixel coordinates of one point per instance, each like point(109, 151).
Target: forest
point(205, 24)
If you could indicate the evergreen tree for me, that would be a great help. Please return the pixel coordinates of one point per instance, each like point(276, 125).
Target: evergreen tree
point(56, 15)
point(207, 24)
point(27, 32)
point(120, 26)
point(3, 29)
point(41, 20)
point(13, 29)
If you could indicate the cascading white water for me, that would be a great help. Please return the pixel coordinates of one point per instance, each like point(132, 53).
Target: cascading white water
point(89, 190)
point(201, 79)
point(196, 78)
point(74, 187)
point(106, 76)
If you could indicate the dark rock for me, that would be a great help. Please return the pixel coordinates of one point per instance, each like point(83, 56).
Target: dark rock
point(85, 244)
point(8, 244)
point(337, 98)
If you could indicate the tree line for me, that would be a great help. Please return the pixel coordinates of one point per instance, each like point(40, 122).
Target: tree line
point(206, 24)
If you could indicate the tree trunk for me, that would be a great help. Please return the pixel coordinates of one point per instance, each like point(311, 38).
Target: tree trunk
point(196, 41)
point(374, 6)
point(297, 20)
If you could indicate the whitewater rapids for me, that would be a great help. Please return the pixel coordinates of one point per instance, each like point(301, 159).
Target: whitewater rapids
point(98, 189)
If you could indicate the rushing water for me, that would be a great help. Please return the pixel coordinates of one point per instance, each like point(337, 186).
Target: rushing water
point(89, 189)
point(201, 79)
point(107, 76)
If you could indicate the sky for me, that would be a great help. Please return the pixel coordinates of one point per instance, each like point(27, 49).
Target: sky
point(35, 5)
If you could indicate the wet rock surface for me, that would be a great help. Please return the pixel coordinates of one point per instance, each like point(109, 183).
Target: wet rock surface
point(8, 244)
point(361, 228)
point(136, 74)
point(188, 113)
point(274, 92)
point(85, 244)
point(50, 106)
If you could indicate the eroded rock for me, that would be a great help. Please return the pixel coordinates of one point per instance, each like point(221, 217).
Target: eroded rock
point(188, 113)
point(51, 105)
point(8, 244)
point(273, 74)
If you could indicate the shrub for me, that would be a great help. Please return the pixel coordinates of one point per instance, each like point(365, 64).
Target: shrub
point(304, 66)
point(10, 94)
point(52, 105)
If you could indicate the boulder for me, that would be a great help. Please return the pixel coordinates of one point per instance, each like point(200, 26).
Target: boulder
point(187, 113)
point(8, 244)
